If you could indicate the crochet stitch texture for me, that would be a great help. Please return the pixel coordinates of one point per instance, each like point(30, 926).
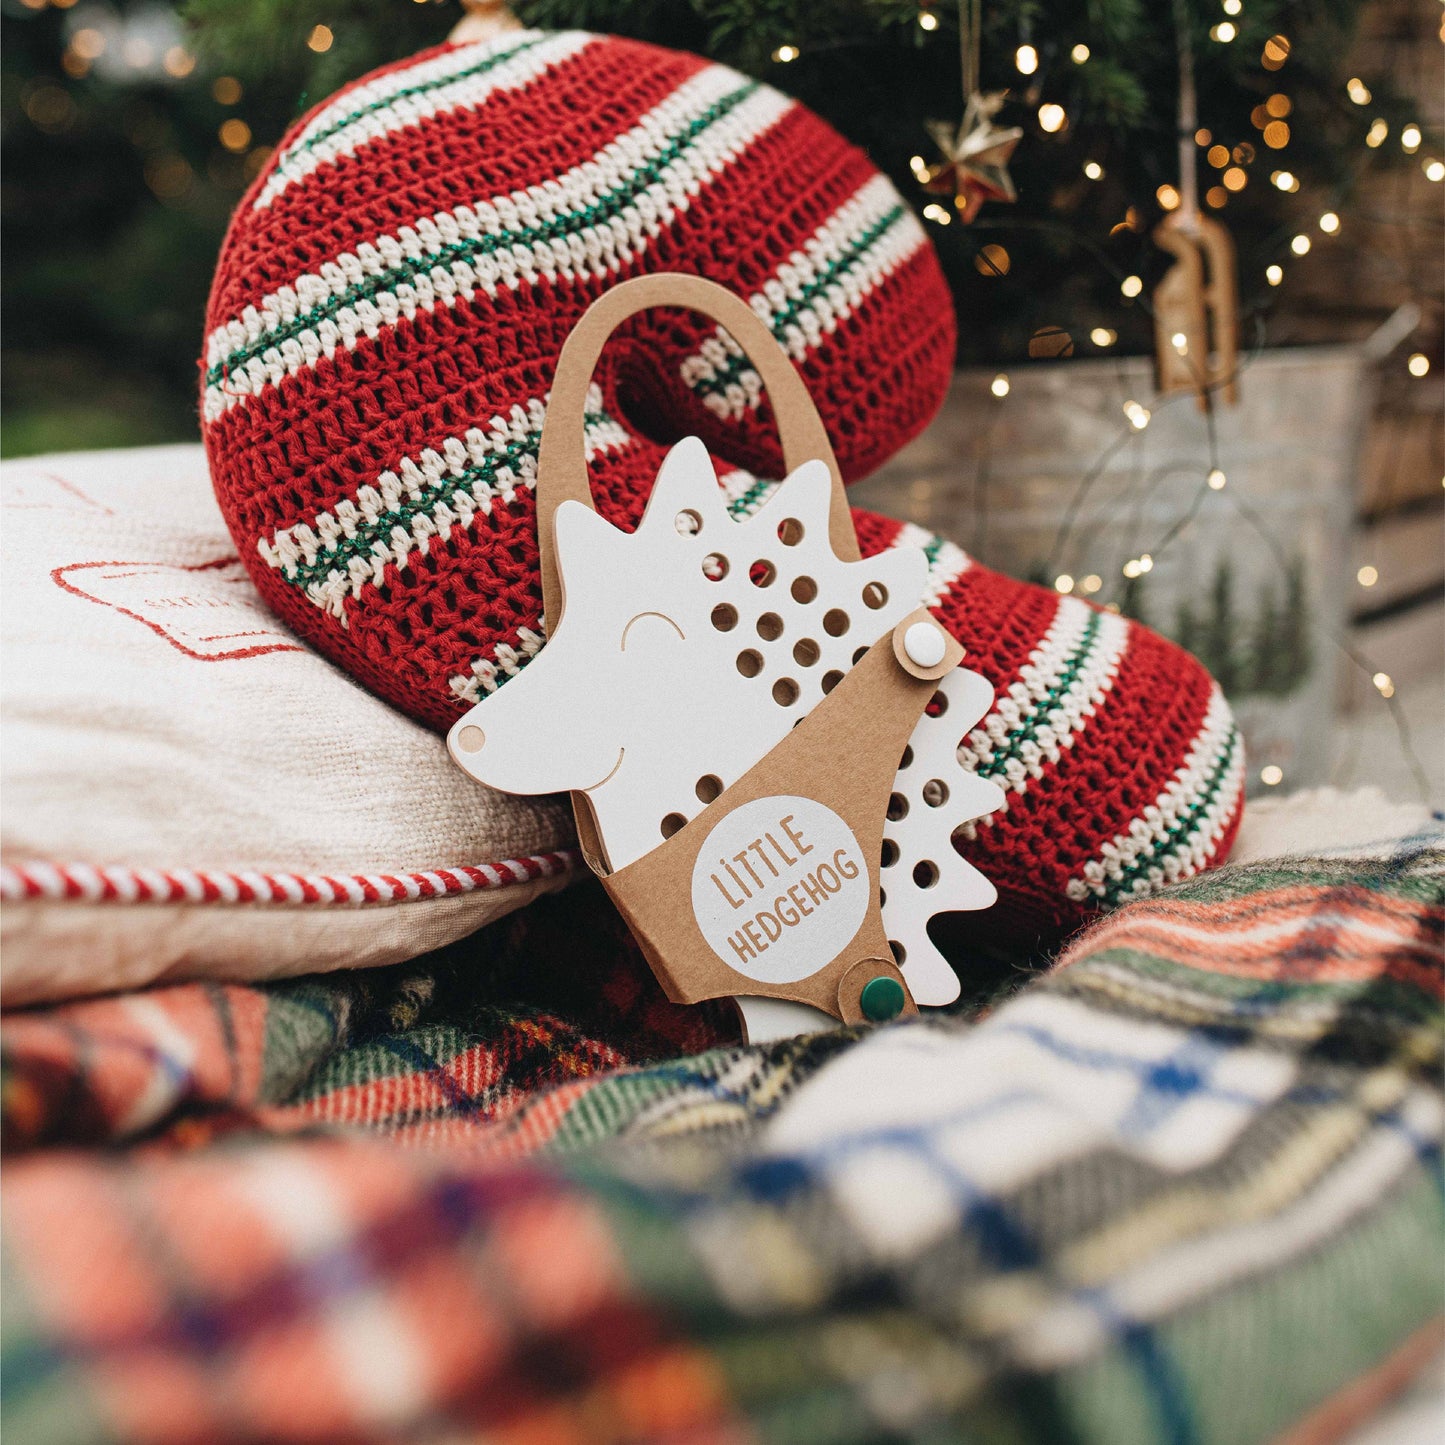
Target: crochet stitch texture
point(385, 319)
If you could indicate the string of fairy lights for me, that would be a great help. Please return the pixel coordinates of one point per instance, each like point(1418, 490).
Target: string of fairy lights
point(1271, 775)
point(148, 46)
point(1231, 164)
point(136, 47)
point(1270, 118)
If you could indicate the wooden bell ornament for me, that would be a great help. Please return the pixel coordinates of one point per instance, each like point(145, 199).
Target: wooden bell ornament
point(1196, 310)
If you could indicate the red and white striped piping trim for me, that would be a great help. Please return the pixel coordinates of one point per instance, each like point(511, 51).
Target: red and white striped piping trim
point(85, 883)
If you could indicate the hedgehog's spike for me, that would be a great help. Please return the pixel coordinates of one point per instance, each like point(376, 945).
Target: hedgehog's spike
point(804, 496)
point(578, 533)
point(901, 571)
point(686, 483)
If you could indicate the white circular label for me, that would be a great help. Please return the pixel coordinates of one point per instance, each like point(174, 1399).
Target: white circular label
point(779, 888)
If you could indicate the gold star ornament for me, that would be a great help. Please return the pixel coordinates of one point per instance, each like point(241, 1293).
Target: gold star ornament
point(976, 156)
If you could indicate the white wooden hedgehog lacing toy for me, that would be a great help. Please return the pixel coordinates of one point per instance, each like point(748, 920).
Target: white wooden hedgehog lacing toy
point(687, 652)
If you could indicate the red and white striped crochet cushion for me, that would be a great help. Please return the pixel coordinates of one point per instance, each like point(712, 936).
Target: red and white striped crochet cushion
point(383, 328)
point(395, 289)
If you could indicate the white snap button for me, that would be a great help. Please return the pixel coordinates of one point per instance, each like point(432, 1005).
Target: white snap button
point(924, 643)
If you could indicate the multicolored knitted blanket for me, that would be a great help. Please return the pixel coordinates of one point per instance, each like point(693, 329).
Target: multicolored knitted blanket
point(1185, 1185)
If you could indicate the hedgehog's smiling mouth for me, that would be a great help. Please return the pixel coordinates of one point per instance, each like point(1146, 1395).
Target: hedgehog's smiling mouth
point(592, 787)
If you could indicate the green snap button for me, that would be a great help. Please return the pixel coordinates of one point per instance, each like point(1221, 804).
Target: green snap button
point(882, 998)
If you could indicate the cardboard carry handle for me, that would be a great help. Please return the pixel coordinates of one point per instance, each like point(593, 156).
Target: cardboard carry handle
point(562, 458)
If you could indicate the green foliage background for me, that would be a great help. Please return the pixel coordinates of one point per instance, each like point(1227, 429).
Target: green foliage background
point(105, 280)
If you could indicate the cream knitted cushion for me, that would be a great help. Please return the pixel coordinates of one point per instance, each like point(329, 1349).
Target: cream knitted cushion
point(190, 791)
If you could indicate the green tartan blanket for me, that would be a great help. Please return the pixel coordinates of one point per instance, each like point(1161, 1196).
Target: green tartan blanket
point(1184, 1186)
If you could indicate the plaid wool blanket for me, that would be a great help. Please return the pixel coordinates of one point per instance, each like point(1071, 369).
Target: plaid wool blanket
point(1184, 1185)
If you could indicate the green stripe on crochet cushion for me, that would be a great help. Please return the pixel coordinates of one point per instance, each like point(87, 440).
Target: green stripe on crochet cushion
point(607, 206)
point(491, 62)
point(735, 366)
point(748, 502)
point(367, 537)
point(1117, 889)
point(1027, 731)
